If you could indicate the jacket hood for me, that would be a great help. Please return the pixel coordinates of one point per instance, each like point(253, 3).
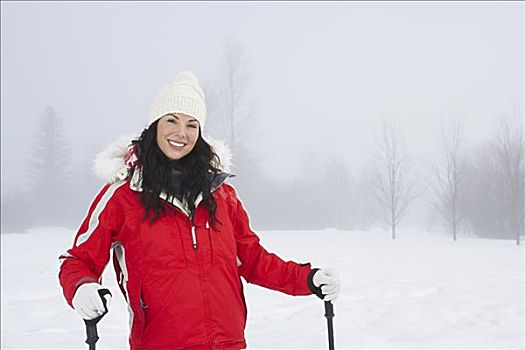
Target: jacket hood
point(110, 164)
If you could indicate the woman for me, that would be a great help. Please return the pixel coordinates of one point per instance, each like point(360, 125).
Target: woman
point(180, 236)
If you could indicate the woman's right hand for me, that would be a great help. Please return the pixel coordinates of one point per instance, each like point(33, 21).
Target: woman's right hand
point(327, 280)
point(87, 301)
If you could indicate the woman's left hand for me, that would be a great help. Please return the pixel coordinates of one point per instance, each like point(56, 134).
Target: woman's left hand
point(328, 280)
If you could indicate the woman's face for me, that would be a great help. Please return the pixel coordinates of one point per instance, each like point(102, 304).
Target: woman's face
point(177, 134)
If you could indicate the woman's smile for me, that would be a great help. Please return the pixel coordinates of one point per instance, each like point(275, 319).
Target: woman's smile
point(176, 145)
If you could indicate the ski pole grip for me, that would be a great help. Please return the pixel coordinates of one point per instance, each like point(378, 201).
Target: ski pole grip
point(329, 309)
point(91, 325)
point(101, 293)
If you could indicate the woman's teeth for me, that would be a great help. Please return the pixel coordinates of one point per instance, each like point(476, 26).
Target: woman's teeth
point(176, 144)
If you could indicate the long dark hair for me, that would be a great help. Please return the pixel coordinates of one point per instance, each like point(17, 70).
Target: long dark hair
point(194, 175)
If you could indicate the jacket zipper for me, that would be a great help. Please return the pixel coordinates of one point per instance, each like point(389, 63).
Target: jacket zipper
point(193, 236)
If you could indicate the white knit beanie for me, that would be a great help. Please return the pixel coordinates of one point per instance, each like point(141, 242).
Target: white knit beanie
point(184, 96)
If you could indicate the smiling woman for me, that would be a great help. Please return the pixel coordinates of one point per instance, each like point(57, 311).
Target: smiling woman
point(180, 236)
point(177, 134)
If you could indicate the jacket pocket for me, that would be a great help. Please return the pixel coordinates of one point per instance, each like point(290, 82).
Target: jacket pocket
point(138, 320)
point(142, 303)
point(161, 244)
point(223, 242)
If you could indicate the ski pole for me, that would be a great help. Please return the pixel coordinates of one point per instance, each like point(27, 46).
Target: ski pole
point(329, 314)
point(91, 325)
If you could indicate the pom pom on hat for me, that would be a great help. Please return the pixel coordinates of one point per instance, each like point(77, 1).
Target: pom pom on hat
point(186, 77)
point(184, 95)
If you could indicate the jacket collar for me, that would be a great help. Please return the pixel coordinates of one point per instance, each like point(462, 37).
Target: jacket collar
point(216, 183)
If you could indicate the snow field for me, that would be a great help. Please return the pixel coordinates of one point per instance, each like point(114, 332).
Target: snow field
point(420, 291)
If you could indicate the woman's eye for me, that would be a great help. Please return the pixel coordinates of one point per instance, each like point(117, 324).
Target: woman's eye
point(193, 126)
point(172, 121)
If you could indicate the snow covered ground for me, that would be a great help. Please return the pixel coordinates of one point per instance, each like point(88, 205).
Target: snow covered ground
point(421, 291)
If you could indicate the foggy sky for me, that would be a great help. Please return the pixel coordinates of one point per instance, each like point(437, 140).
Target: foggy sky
point(323, 75)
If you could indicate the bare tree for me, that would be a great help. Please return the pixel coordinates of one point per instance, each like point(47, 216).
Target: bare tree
point(509, 150)
point(394, 187)
point(228, 95)
point(486, 207)
point(448, 172)
point(337, 193)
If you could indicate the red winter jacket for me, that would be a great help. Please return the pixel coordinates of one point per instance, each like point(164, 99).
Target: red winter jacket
point(179, 296)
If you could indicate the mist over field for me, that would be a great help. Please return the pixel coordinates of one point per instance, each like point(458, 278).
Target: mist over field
point(302, 93)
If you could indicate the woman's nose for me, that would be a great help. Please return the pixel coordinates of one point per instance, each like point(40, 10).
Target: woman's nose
point(181, 130)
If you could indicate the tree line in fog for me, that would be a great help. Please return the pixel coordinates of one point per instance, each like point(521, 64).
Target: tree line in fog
point(476, 190)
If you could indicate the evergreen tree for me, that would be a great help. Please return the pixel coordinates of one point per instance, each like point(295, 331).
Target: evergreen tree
point(49, 172)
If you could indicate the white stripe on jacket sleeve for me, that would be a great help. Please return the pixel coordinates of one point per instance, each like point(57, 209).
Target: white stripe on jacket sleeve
point(101, 205)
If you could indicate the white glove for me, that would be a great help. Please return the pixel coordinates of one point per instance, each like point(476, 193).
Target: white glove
point(87, 301)
point(330, 280)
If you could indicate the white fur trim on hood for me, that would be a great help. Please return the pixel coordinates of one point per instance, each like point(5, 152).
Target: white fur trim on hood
point(109, 164)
